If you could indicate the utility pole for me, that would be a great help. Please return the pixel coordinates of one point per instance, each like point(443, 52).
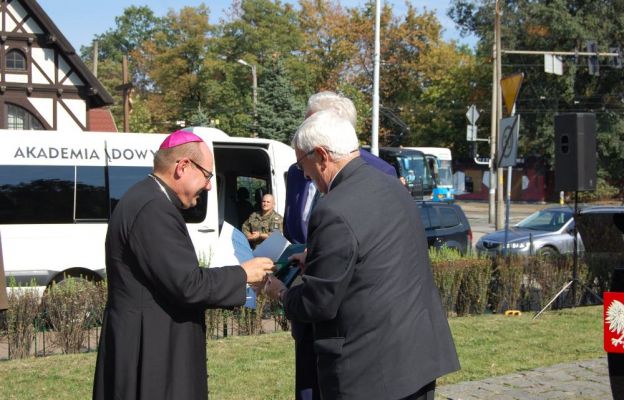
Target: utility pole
point(494, 117)
point(254, 89)
point(126, 88)
point(95, 58)
point(375, 122)
point(500, 199)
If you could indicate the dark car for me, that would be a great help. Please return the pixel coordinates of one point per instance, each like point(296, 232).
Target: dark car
point(445, 225)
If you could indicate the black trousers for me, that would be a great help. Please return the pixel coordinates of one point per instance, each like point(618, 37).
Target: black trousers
point(305, 361)
point(427, 392)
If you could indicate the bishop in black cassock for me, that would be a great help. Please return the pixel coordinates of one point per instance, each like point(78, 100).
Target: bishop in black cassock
point(153, 341)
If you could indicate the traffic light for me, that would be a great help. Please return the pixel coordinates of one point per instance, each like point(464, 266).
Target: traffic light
point(615, 62)
point(592, 61)
point(472, 148)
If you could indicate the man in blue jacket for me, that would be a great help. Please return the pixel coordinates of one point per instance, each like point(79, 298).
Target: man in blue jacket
point(300, 192)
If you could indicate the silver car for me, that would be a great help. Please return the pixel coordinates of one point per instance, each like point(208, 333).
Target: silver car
point(546, 232)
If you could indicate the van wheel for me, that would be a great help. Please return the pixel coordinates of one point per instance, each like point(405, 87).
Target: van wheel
point(74, 275)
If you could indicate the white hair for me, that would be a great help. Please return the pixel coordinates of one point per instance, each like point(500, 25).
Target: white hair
point(329, 130)
point(329, 100)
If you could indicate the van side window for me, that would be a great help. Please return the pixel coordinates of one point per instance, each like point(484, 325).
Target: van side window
point(45, 194)
point(448, 217)
point(122, 178)
point(435, 218)
point(36, 194)
point(424, 216)
point(91, 198)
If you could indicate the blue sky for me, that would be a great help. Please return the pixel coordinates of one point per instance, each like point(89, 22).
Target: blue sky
point(80, 20)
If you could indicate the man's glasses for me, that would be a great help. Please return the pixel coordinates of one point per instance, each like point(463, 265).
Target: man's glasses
point(207, 174)
point(298, 163)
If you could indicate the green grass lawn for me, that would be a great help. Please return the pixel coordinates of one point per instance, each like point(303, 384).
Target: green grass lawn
point(261, 367)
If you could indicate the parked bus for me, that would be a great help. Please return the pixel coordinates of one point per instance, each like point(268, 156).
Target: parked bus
point(58, 189)
point(412, 166)
point(440, 161)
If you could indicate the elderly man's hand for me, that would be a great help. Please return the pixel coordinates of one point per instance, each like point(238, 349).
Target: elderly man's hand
point(300, 259)
point(257, 269)
point(274, 288)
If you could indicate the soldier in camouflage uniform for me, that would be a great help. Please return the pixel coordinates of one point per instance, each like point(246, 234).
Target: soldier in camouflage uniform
point(259, 225)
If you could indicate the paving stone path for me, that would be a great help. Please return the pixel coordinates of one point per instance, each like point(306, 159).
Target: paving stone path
point(587, 380)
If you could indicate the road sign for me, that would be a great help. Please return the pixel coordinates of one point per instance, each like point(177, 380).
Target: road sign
point(471, 133)
point(508, 143)
point(472, 115)
point(592, 61)
point(510, 87)
point(553, 64)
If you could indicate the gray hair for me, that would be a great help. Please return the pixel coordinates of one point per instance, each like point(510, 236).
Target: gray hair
point(329, 100)
point(329, 130)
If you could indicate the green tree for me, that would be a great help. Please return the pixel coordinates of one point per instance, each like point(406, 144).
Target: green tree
point(562, 25)
point(180, 65)
point(424, 80)
point(134, 27)
point(259, 32)
point(280, 112)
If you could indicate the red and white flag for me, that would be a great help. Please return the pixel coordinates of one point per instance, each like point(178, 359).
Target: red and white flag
point(613, 322)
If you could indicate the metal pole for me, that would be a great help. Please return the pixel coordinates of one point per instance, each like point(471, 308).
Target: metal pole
point(95, 58)
point(375, 122)
point(500, 201)
point(493, 125)
point(254, 87)
point(126, 94)
point(575, 253)
point(507, 209)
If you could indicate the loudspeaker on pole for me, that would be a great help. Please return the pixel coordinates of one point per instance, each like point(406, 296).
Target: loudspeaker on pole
point(575, 152)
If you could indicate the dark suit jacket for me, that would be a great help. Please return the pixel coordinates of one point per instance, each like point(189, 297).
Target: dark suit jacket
point(380, 331)
point(297, 195)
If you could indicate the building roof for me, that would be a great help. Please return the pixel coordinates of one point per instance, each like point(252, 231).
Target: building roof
point(101, 120)
point(98, 96)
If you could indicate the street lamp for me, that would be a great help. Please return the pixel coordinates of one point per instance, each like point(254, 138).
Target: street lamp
point(254, 80)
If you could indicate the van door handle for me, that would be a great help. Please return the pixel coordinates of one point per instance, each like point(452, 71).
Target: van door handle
point(205, 229)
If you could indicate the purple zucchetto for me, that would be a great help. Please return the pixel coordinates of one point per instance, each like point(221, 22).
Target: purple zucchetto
point(179, 137)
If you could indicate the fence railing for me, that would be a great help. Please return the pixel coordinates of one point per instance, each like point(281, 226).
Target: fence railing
point(68, 317)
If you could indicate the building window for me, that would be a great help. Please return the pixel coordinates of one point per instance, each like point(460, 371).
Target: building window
point(20, 118)
point(15, 61)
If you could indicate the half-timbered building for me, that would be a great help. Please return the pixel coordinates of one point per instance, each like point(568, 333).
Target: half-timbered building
point(43, 82)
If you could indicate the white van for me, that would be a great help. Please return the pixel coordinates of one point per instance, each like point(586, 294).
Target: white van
point(57, 191)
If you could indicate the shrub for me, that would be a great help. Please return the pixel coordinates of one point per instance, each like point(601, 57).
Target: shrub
point(461, 281)
point(447, 277)
point(506, 283)
point(69, 307)
point(20, 317)
point(544, 277)
point(472, 297)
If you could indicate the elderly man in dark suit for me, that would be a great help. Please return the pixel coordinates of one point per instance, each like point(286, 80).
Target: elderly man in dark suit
point(301, 196)
point(379, 328)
